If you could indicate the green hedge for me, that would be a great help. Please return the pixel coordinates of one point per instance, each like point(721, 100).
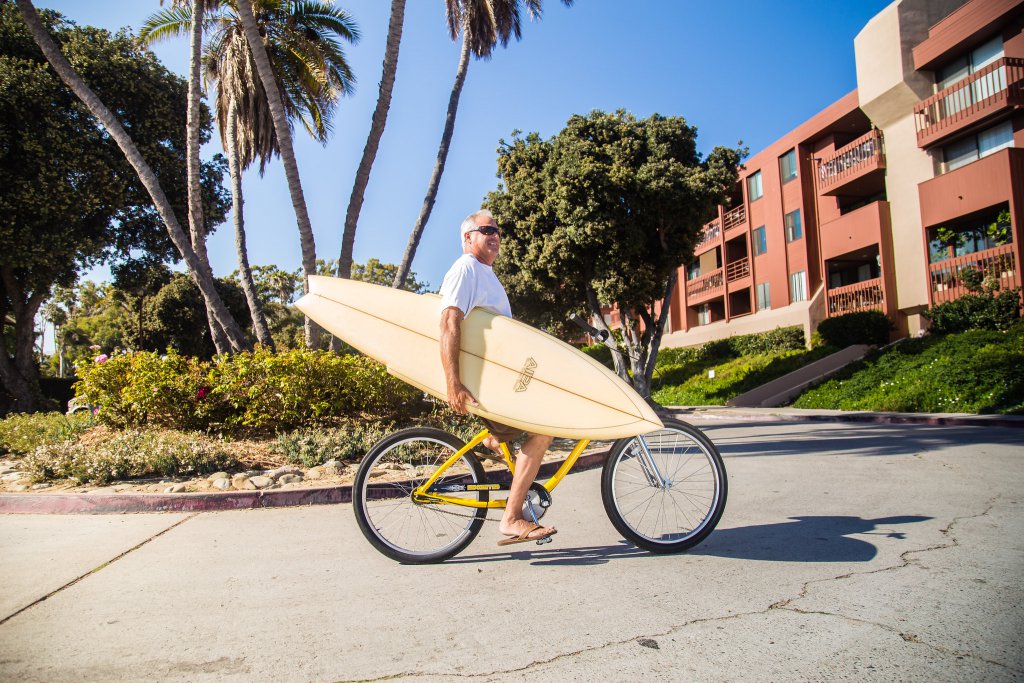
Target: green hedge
point(990, 311)
point(247, 392)
point(861, 327)
point(20, 434)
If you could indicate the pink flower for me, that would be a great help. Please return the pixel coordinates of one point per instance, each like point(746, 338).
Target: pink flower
point(102, 358)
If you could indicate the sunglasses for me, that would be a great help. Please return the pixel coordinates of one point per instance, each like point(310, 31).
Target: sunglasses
point(487, 230)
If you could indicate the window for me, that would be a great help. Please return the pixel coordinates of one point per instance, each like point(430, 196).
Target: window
point(787, 166)
point(764, 298)
point(798, 286)
point(984, 86)
point(704, 314)
point(760, 241)
point(754, 189)
point(794, 230)
point(974, 147)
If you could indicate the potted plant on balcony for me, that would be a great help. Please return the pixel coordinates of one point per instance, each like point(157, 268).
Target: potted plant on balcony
point(999, 231)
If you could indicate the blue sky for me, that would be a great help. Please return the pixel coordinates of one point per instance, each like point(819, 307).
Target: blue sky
point(737, 69)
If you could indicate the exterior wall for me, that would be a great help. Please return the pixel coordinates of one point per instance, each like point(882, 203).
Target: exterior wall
point(889, 86)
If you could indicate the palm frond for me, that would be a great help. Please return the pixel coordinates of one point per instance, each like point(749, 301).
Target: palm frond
point(169, 23)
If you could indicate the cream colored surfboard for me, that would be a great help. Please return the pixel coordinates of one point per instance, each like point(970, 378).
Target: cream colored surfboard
point(519, 375)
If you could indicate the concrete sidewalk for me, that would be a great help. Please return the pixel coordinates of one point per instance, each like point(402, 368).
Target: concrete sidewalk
point(868, 552)
point(117, 503)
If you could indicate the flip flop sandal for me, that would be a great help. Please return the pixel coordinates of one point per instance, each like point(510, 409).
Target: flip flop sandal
point(525, 536)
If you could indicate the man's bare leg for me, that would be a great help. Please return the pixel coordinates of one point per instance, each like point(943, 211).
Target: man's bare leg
point(528, 463)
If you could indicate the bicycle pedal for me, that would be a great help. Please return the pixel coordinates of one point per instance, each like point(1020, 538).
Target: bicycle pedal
point(542, 541)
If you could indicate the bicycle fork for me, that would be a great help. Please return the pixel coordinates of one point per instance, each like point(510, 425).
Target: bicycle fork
point(650, 467)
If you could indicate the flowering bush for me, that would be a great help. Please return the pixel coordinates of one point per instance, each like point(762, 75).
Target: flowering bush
point(246, 392)
point(22, 433)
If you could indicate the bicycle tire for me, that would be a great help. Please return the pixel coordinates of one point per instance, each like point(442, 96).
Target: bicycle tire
point(398, 527)
point(677, 514)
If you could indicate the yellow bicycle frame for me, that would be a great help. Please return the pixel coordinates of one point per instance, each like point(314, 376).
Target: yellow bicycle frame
point(420, 495)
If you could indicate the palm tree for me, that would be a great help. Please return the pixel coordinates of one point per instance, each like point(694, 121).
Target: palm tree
point(199, 270)
point(377, 123)
point(260, 39)
point(482, 24)
point(310, 71)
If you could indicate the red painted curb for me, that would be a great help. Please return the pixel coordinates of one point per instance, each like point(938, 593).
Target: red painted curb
point(122, 503)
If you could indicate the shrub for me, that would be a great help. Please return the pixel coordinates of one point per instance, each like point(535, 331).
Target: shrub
point(311, 447)
point(23, 433)
point(128, 455)
point(861, 327)
point(599, 352)
point(246, 392)
point(774, 341)
point(986, 310)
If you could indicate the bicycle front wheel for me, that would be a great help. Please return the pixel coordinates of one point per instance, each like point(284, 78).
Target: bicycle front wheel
point(665, 491)
point(400, 527)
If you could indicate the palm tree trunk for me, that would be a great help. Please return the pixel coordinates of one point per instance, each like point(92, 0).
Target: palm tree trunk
point(284, 141)
point(259, 321)
point(199, 271)
point(442, 156)
point(379, 120)
point(195, 198)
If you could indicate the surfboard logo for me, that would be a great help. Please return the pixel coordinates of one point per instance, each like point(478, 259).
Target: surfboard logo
point(526, 374)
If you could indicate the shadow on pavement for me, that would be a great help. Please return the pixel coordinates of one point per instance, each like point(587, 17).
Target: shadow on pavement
point(807, 539)
point(551, 555)
point(773, 438)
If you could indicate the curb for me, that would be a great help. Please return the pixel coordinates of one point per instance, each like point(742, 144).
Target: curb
point(717, 413)
point(124, 503)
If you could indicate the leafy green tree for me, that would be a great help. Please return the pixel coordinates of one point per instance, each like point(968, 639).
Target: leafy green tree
point(602, 215)
point(70, 198)
point(175, 318)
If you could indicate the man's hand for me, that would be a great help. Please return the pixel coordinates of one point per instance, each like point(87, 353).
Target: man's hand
point(459, 397)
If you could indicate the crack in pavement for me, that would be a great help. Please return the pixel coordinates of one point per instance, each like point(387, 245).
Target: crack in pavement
point(89, 573)
point(905, 561)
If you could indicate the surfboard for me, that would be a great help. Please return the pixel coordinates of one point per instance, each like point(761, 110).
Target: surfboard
point(519, 375)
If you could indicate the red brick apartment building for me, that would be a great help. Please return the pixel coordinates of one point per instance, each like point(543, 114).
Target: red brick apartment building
point(884, 199)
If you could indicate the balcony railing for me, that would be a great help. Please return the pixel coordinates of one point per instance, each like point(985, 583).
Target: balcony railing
point(850, 160)
point(998, 85)
point(711, 232)
point(704, 284)
point(950, 278)
point(860, 296)
point(737, 269)
point(734, 217)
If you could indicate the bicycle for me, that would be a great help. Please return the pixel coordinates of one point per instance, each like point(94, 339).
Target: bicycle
point(421, 494)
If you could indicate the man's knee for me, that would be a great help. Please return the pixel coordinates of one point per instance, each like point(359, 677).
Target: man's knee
point(537, 444)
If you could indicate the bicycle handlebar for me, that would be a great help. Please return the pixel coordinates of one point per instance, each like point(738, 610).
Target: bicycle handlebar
point(600, 335)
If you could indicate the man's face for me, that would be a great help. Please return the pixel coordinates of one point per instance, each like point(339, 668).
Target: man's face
point(483, 247)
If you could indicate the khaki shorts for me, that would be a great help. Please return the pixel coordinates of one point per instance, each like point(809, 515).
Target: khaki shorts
point(501, 432)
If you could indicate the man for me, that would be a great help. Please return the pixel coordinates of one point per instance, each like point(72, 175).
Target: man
point(470, 283)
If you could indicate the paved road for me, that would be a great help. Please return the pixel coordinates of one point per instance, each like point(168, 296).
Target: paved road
point(850, 551)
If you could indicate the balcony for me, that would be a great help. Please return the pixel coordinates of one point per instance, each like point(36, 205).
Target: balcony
point(861, 296)
point(850, 169)
point(858, 229)
point(996, 88)
point(948, 279)
point(710, 234)
point(735, 217)
point(705, 285)
point(737, 270)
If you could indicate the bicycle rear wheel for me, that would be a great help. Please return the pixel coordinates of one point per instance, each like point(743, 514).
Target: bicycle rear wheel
point(676, 511)
point(398, 526)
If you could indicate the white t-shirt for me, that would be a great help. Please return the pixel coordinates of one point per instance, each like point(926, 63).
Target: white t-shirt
point(469, 284)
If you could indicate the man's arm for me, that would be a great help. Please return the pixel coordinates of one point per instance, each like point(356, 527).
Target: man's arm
point(451, 337)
